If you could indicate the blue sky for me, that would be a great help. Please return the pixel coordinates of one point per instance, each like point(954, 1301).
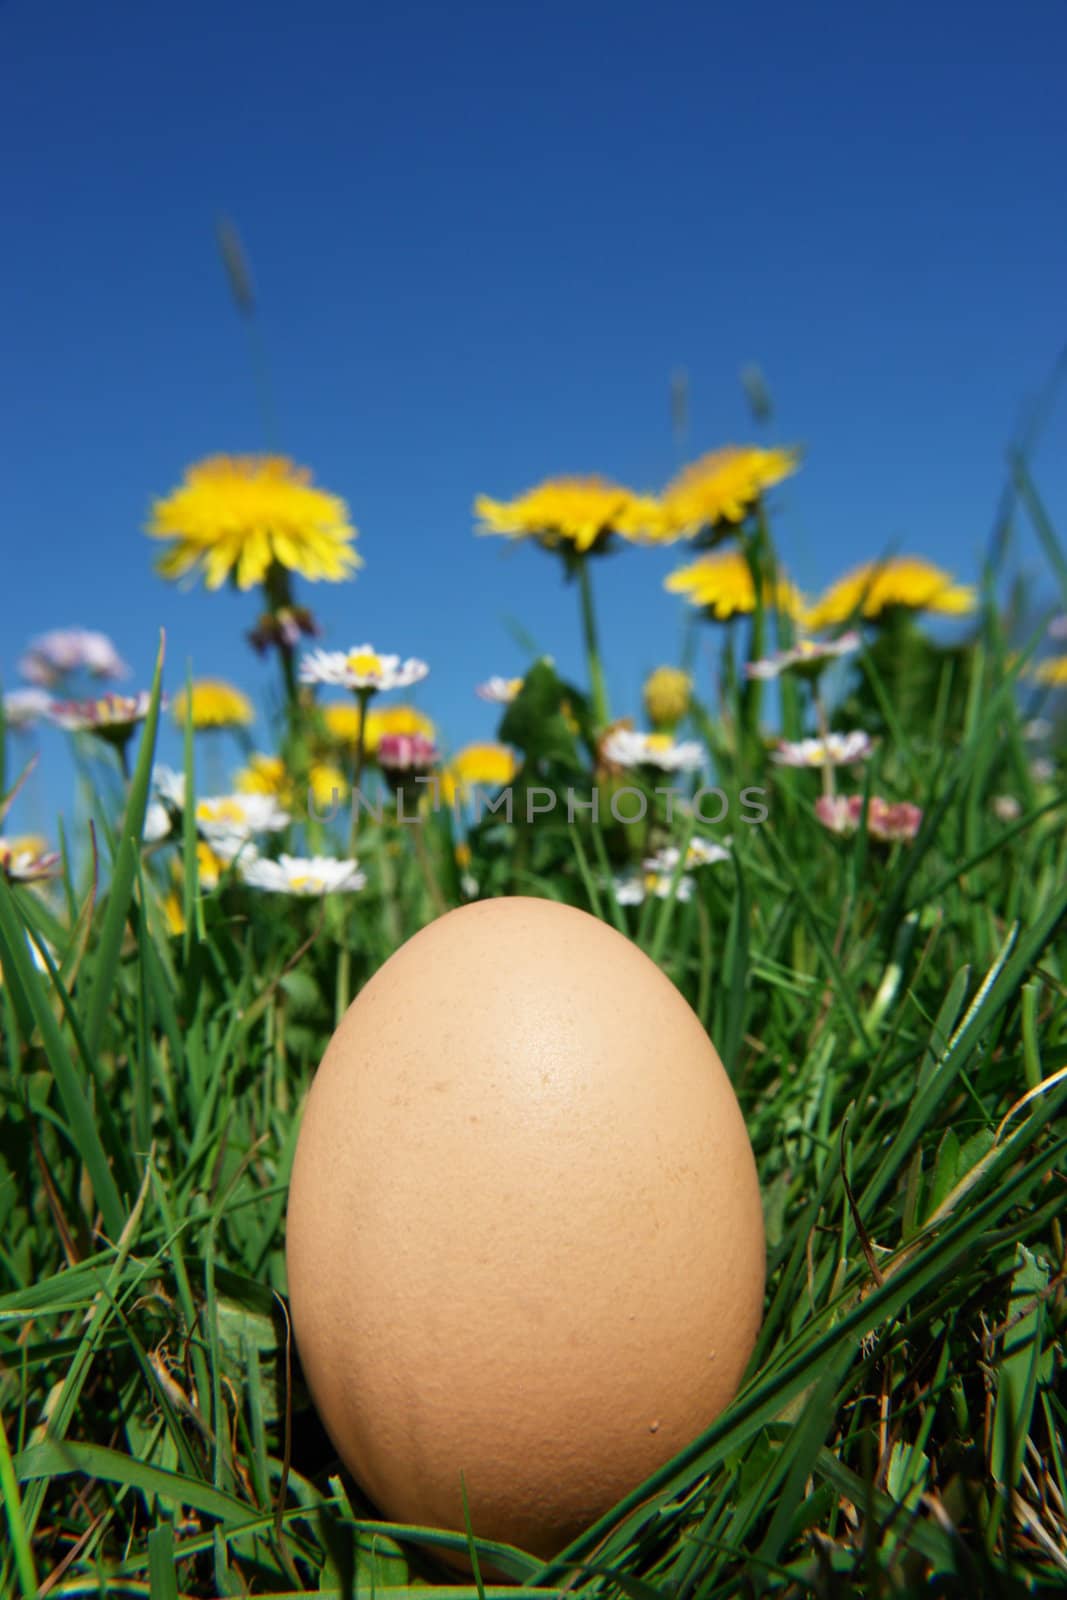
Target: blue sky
point(482, 238)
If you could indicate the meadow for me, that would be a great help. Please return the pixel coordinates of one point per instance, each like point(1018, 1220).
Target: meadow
point(837, 825)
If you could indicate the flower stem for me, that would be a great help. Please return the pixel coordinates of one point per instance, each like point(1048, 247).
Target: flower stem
point(288, 656)
point(344, 955)
point(823, 724)
point(690, 641)
point(426, 866)
point(359, 757)
point(592, 647)
point(278, 593)
point(390, 908)
point(752, 692)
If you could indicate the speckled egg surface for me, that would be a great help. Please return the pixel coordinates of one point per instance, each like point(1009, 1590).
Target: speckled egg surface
point(525, 1238)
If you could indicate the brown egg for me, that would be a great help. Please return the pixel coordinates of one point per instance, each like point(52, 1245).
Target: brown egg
point(525, 1239)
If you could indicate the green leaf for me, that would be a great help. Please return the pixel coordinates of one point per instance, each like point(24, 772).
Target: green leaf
point(1024, 1364)
point(535, 722)
point(81, 1124)
point(946, 1170)
point(21, 1545)
point(162, 1578)
point(59, 1458)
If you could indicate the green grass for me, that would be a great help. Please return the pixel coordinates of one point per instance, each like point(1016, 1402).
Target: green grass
point(894, 1023)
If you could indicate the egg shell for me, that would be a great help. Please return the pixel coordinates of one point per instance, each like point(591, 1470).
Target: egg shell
point(525, 1238)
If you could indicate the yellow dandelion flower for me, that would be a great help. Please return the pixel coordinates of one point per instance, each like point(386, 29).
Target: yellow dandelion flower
point(399, 719)
point(581, 513)
point(666, 695)
point(489, 765)
point(264, 775)
point(342, 724)
point(174, 914)
point(641, 519)
point(238, 516)
point(215, 704)
point(722, 584)
point(209, 869)
point(327, 782)
point(209, 866)
point(1053, 672)
point(268, 775)
point(874, 587)
point(719, 490)
point(342, 721)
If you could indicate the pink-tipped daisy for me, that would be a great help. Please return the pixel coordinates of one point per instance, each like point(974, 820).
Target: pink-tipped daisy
point(406, 753)
point(26, 859)
point(887, 821)
point(112, 717)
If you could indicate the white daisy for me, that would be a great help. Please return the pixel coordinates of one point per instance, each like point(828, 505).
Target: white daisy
point(157, 822)
point(170, 786)
point(632, 888)
point(303, 875)
point(836, 750)
point(623, 747)
point(227, 821)
point(807, 655)
point(699, 853)
point(1007, 808)
point(361, 668)
point(501, 691)
point(23, 707)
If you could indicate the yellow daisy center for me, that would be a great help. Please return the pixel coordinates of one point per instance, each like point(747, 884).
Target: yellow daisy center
point(365, 663)
point(220, 811)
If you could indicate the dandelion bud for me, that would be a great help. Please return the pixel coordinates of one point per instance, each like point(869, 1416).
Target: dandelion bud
point(666, 695)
